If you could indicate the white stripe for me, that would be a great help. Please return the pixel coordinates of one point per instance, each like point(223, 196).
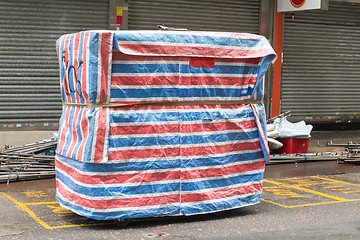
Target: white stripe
point(199, 45)
point(217, 75)
point(154, 61)
point(114, 197)
point(151, 111)
point(184, 158)
point(96, 127)
point(109, 210)
point(220, 177)
point(221, 200)
point(221, 166)
point(183, 146)
point(221, 188)
point(182, 134)
point(182, 86)
point(181, 99)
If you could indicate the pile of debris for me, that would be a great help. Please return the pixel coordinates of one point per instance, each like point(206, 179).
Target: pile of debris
point(28, 162)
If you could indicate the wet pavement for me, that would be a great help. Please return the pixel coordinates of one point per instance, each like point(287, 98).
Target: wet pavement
point(319, 200)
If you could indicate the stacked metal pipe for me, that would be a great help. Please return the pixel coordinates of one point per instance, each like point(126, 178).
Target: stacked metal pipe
point(28, 162)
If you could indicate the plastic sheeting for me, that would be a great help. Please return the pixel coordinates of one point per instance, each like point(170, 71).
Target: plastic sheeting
point(122, 156)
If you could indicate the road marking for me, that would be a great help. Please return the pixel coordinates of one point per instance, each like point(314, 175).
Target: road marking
point(298, 182)
point(306, 190)
point(337, 181)
point(23, 206)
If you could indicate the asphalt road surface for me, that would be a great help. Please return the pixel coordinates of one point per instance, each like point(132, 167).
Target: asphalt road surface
point(300, 201)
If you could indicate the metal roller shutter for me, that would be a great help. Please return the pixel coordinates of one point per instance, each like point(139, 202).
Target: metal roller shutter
point(205, 15)
point(321, 67)
point(29, 75)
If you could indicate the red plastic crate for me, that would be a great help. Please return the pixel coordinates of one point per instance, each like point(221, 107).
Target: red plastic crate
point(293, 145)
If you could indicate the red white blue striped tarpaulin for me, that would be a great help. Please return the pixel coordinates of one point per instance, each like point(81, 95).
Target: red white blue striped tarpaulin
point(120, 155)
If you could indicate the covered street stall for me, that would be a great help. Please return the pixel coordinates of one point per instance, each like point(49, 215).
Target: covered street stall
point(159, 123)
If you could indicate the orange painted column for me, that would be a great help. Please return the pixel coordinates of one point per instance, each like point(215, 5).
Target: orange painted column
point(278, 47)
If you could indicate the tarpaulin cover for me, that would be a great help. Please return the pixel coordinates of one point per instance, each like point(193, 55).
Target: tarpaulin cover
point(136, 159)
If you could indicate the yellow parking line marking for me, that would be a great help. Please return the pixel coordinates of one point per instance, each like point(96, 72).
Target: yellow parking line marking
point(23, 206)
point(336, 181)
point(352, 192)
point(308, 204)
point(306, 190)
point(40, 203)
point(27, 210)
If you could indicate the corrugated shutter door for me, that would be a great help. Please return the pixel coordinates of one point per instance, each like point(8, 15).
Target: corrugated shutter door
point(321, 68)
point(204, 15)
point(29, 75)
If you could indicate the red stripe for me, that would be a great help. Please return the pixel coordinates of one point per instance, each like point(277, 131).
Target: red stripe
point(85, 128)
point(185, 128)
point(84, 69)
point(100, 135)
point(106, 48)
point(144, 153)
point(119, 56)
point(117, 203)
point(185, 151)
point(64, 130)
point(145, 80)
point(219, 149)
point(223, 81)
point(192, 51)
point(144, 129)
point(205, 196)
point(124, 178)
point(217, 172)
point(76, 64)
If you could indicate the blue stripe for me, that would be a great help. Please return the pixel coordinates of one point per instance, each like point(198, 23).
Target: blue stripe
point(192, 39)
point(141, 141)
point(128, 141)
point(79, 73)
point(220, 161)
point(107, 191)
point(71, 70)
point(240, 201)
point(143, 93)
point(202, 115)
point(219, 69)
point(88, 148)
point(222, 182)
point(93, 66)
point(119, 167)
point(116, 214)
point(218, 138)
point(174, 68)
point(181, 93)
point(145, 68)
point(144, 117)
point(62, 69)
